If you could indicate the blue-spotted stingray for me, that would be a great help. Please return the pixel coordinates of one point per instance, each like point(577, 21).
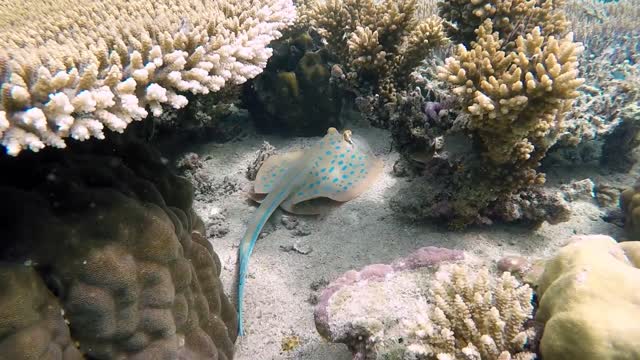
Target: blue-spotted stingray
point(337, 168)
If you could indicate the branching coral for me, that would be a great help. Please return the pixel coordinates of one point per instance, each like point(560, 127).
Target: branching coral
point(472, 317)
point(515, 100)
point(385, 41)
point(510, 18)
point(87, 65)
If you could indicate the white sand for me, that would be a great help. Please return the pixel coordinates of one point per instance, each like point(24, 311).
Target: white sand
point(360, 232)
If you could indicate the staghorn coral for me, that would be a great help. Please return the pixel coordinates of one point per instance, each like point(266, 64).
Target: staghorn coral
point(111, 233)
point(385, 42)
point(471, 315)
point(87, 65)
point(510, 18)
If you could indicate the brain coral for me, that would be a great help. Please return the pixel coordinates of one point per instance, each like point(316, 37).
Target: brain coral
point(114, 259)
point(70, 68)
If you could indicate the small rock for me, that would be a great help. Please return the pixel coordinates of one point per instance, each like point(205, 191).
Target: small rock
point(514, 264)
point(579, 190)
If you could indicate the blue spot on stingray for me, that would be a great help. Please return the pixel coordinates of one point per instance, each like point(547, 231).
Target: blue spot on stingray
point(320, 158)
point(328, 152)
point(342, 155)
point(345, 176)
point(273, 175)
point(348, 150)
point(353, 156)
point(361, 171)
point(324, 177)
point(311, 186)
point(317, 173)
point(300, 193)
point(318, 182)
point(323, 169)
point(340, 162)
point(344, 188)
point(338, 147)
point(352, 172)
point(332, 142)
point(331, 169)
point(335, 180)
point(350, 183)
point(359, 157)
point(344, 168)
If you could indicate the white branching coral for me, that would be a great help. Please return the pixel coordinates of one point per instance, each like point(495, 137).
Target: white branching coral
point(472, 316)
point(70, 68)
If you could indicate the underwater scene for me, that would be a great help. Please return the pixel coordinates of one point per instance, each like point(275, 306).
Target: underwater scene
point(320, 179)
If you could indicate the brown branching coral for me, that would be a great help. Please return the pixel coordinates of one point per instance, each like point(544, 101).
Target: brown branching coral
point(472, 316)
point(510, 18)
point(515, 100)
point(378, 43)
point(70, 69)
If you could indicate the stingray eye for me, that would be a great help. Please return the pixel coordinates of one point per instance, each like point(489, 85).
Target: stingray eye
point(346, 135)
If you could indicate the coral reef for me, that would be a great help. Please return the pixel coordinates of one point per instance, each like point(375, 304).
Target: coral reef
point(425, 307)
point(480, 149)
point(600, 122)
point(111, 255)
point(95, 64)
point(588, 293)
point(295, 93)
point(385, 42)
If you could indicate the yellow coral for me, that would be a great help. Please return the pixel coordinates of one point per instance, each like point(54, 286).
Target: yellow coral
point(69, 68)
point(516, 99)
point(472, 316)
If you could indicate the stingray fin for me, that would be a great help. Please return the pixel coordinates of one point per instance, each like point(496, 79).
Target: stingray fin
point(317, 206)
point(341, 171)
point(273, 170)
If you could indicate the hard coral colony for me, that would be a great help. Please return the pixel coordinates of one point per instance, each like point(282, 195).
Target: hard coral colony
point(496, 111)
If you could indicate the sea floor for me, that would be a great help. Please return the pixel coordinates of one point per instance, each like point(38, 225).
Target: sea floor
point(297, 255)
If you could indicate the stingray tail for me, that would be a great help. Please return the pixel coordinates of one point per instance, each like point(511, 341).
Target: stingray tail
point(254, 228)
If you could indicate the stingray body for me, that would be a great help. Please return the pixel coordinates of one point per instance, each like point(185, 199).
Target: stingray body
point(336, 168)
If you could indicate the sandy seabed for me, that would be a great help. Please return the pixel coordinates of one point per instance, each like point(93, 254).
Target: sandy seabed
point(283, 282)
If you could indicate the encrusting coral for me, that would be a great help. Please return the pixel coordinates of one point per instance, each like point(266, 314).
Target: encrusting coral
point(472, 316)
point(71, 68)
point(102, 239)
